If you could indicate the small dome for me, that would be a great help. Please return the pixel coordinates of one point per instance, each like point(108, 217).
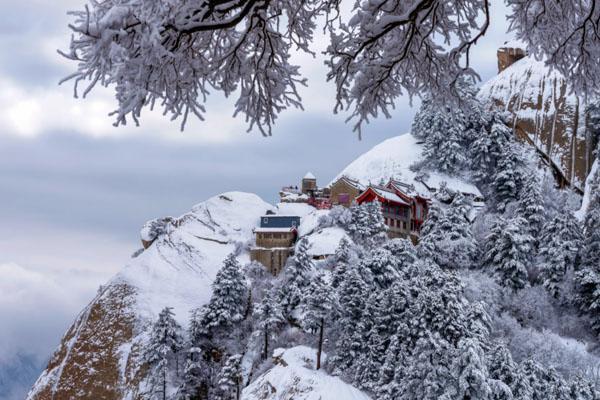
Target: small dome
point(309, 175)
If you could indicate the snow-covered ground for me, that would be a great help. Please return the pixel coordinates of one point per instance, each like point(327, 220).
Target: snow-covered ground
point(294, 377)
point(392, 159)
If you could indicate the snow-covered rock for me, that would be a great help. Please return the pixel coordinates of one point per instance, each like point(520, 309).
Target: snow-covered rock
point(99, 356)
point(541, 108)
point(392, 159)
point(293, 377)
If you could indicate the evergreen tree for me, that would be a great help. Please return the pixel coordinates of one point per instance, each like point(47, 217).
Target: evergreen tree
point(269, 317)
point(559, 245)
point(531, 205)
point(165, 342)
point(502, 367)
point(428, 371)
point(470, 369)
point(296, 278)
point(341, 259)
point(318, 306)
point(230, 379)
point(368, 226)
point(442, 149)
point(352, 294)
point(508, 177)
point(508, 251)
point(582, 389)
point(228, 303)
point(382, 267)
point(487, 149)
point(448, 239)
point(194, 377)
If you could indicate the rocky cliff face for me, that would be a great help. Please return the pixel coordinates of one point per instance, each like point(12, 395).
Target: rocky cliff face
point(544, 113)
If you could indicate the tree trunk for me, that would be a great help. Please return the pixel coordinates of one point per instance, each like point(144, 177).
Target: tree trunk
point(164, 382)
point(266, 348)
point(320, 349)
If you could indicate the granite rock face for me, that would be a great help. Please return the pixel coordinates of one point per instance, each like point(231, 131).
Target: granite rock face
point(544, 112)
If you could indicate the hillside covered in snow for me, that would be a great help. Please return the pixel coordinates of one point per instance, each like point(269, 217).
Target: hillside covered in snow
point(393, 158)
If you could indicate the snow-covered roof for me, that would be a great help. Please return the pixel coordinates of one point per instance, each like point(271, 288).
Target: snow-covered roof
point(352, 182)
point(388, 194)
point(274, 230)
point(309, 175)
point(392, 159)
point(326, 241)
point(514, 44)
point(299, 209)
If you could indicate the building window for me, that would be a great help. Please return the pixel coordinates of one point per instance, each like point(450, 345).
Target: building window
point(386, 221)
point(404, 225)
point(344, 198)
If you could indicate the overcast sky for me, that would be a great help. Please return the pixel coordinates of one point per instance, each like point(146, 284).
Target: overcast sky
point(74, 190)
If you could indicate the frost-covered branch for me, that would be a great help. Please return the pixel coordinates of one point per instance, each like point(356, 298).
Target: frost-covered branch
point(564, 33)
point(171, 53)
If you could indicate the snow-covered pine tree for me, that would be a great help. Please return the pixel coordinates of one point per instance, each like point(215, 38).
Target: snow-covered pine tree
point(386, 310)
point(270, 317)
point(351, 296)
point(164, 344)
point(230, 379)
point(582, 389)
point(318, 305)
point(228, 304)
point(506, 380)
point(447, 238)
point(508, 177)
point(195, 376)
point(470, 371)
point(559, 244)
point(376, 224)
point(531, 205)
point(296, 278)
point(381, 267)
point(442, 149)
point(367, 226)
point(341, 259)
point(487, 148)
point(428, 371)
point(544, 382)
point(507, 252)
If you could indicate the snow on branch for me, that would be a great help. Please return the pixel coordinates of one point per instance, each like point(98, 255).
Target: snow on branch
point(564, 33)
point(171, 54)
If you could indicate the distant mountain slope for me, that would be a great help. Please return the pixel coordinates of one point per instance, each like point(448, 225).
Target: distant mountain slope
point(544, 113)
point(99, 356)
point(392, 158)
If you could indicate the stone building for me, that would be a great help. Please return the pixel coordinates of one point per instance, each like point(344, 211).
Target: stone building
point(309, 184)
point(344, 191)
point(274, 241)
